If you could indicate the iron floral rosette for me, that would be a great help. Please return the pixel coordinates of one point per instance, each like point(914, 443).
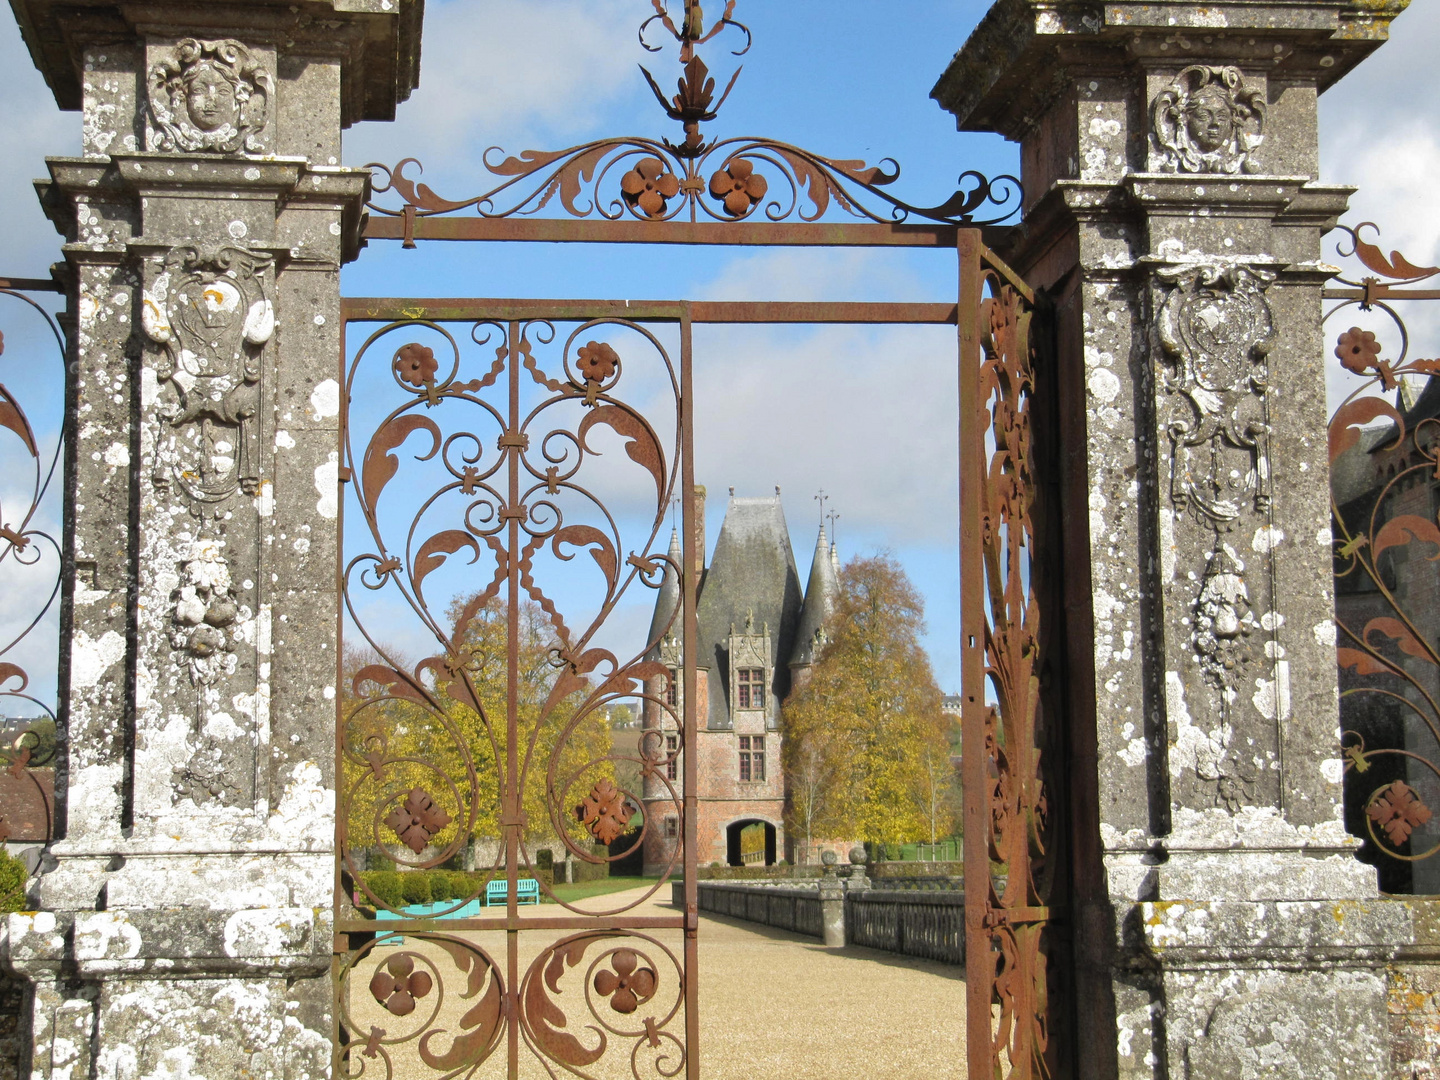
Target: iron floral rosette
point(1384, 449)
point(632, 991)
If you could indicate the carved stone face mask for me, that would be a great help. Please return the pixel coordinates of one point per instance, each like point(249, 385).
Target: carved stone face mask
point(210, 99)
point(1209, 120)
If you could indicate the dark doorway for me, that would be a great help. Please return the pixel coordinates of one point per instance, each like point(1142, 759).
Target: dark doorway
point(744, 846)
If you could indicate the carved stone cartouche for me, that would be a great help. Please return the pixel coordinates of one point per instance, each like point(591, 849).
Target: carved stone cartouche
point(213, 312)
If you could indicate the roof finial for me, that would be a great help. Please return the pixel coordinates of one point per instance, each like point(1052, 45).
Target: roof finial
point(822, 498)
point(674, 506)
point(777, 491)
point(732, 491)
point(833, 516)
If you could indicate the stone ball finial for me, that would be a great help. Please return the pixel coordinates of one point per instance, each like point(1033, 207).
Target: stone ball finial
point(829, 858)
point(857, 855)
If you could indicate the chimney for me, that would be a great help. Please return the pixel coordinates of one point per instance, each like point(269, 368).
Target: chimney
point(699, 530)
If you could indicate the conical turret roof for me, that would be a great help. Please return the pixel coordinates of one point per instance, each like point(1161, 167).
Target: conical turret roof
point(819, 603)
point(667, 603)
point(752, 577)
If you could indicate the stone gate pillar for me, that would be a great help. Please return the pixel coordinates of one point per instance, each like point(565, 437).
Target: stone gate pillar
point(1220, 924)
point(183, 917)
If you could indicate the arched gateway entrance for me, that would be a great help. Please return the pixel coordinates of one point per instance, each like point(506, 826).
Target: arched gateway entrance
point(472, 428)
point(750, 842)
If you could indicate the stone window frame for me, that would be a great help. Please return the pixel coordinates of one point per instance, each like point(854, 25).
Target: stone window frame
point(672, 756)
point(750, 685)
point(752, 759)
point(672, 690)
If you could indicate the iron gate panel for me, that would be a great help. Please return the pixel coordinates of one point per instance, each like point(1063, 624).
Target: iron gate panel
point(30, 560)
point(1011, 684)
point(431, 752)
point(755, 192)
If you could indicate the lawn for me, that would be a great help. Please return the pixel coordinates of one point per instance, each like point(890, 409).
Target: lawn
point(582, 890)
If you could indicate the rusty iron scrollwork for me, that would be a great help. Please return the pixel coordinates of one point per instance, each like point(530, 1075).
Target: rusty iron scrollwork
point(724, 180)
point(477, 477)
point(625, 994)
point(1385, 500)
point(1008, 789)
point(29, 583)
point(395, 1017)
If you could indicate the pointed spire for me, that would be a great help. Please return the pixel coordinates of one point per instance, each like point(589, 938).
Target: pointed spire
point(819, 604)
point(667, 603)
point(835, 560)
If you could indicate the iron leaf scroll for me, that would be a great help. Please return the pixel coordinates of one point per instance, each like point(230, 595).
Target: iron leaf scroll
point(1010, 723)
point(1385, 501)
point(724, 180)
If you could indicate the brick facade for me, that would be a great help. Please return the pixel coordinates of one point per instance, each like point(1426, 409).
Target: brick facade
point(751, 615)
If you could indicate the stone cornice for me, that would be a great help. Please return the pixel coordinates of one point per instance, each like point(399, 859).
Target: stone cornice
point(1286, 200)
point(377, 41)
point(1023, 52)
point(287, 181)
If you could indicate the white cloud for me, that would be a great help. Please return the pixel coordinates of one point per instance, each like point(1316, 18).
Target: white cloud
point(511, 73)
point(1380, 131)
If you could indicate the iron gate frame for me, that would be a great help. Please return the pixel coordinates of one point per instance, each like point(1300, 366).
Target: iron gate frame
point(1014, 811)
point(977, 266)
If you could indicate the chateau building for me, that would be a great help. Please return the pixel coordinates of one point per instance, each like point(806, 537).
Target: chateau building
point(757, 638)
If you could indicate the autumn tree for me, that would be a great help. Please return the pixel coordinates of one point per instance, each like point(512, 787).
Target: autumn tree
point(864, 725)
point(810, 783)
point(431, 735)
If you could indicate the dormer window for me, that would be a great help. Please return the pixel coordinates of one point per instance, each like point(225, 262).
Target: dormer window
point(751, 688)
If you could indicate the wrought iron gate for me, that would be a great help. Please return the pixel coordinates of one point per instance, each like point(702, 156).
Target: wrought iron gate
point(429, 751)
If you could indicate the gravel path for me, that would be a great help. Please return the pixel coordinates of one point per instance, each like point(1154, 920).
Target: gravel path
point(772, 1004)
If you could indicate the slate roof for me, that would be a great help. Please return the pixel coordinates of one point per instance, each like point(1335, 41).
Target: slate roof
point(667, 601)
point(751, 570)
point(820, 595)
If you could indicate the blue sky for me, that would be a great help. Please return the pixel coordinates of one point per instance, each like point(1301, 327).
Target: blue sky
point(867, 414)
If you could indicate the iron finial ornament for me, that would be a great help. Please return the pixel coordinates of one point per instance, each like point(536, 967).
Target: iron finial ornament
point(694, 103)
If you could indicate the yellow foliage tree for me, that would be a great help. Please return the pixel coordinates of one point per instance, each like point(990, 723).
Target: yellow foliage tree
point(867, 726)
point(456, 749)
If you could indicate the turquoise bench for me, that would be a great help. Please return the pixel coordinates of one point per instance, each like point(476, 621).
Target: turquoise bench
point(527, 891)
point(440, 909)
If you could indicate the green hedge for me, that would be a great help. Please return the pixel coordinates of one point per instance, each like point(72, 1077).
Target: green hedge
point(396, 889)
point(588, 871)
